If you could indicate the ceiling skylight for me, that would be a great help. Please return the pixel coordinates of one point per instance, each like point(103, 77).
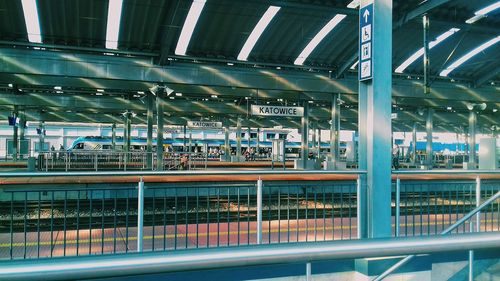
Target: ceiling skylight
point(469, 55)
point(113, 25)
point(257, 32)
point(420, 52)
point(483, 12)
point(32, 22)
point(318, 38)
point(189, 25)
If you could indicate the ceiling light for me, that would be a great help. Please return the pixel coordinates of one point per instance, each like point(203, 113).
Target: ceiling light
point(318, 38)
point(59, 92)
point(213, 96)
point(353, 4)
point(32, 22)
point(267, 102)
point(420, 52)
point(278, 67)
point(134, 114)
point(11, 85)
point(113, 25)
point(354, 65)
point(495, 110)
point(257, 32)
point(449, 108)
point(100, 90)
point(469, 55)
point(57, 88)
point(178, 94)
point(230, 63)
point(310, 101)
point(483, 12)
point(189, 25)
point(247, 98)
point(140, 92)
point(172, 98)
point(98, 94)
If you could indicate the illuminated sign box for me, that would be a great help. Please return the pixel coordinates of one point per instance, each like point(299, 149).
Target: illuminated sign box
point(271, 110)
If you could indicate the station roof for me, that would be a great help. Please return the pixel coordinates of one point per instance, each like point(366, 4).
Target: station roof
point(152, 28)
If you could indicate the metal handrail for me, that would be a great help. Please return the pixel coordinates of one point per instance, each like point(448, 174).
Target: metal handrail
point(446, 231)
point(442, 172)
point(200, 259)
point(178, 173)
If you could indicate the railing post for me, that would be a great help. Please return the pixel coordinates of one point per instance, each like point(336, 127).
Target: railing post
point(140, 214)
point(259, 211)
point(361, 206)
point(477, 228)
point(308, 271)
point(398, 199)
point(95, 162)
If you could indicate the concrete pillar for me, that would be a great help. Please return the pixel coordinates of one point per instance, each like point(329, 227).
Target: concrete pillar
point(375, 124)
point(238, 138)
point(113, 136)
point(149, 133)
point(429, 129)
point(472, 138)
point(414, 141)
point(15, 136)
point(334, 129)
point(304, 148)
point(159, 130)
point(227, 145)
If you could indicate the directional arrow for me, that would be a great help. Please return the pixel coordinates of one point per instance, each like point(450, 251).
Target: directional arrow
point(366, 14)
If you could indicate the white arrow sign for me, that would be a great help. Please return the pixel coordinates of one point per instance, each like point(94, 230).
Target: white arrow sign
point(366, 14)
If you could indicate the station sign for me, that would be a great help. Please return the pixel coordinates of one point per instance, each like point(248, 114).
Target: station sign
point(204, 124)
point(365, 67)
point(271, 110)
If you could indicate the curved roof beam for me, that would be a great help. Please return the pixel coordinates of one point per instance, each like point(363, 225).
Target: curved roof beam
point(32, 21)
point(113, 24)
point(469, 55)
point(420, 52)
point(189, 25)
point(483, 12)
point(257, 32)
point(318, 38)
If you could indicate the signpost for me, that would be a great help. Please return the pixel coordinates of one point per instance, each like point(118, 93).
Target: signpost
point(204, 124)
point(365, 42)
point(271, 110)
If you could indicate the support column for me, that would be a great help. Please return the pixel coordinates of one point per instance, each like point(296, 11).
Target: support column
point(375, 123)
point(425, 21)
point(429, 129)
point(319, 140)
point(41, 136)
point(128, 126)
point(227, 145)
point(414, 141)
point(15, 137)
point(313, 136)
point(334, 130)
point(150, 120)
point(304, 148)
point(257, 149)
point(159, 130)
point(238, 139)
point(472, 139)
point(184, 145)
point(249, 138)
point(113, 136)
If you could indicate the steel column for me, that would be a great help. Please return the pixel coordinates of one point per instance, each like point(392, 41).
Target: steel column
point(259, 211)
point(304, 148)
point(334, 129)
point(150, 116)
point(113, 136)
point(15, 139)
point(313, 136)
point(426, 60)
point(227, 145)
point(238, 139)
point(41, 136)
point(319, 141)
point(159, 129)
point(429, 128)
point(249, 138)
point(257, 148)
point(184, 147)
point(414, 141)
point(375, 97)
point(472, 138)
point(140, 215)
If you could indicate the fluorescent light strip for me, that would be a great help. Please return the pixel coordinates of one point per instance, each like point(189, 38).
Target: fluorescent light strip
point(32, 22)
point(318, 38)
point(354, 65)
point(469, 55)
point(420, 52)
point(257, 32)
point(189, 25)
point(353, 4)
point(113, 25)
point(483, 12)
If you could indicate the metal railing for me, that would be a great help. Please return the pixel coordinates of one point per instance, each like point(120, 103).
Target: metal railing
point(47, 220)
point(98, 160)
point(194, 260)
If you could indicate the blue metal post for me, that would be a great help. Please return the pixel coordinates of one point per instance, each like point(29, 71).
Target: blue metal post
point(140, 215)
point(304, 148)
point(429, 128)
point(375, 121)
